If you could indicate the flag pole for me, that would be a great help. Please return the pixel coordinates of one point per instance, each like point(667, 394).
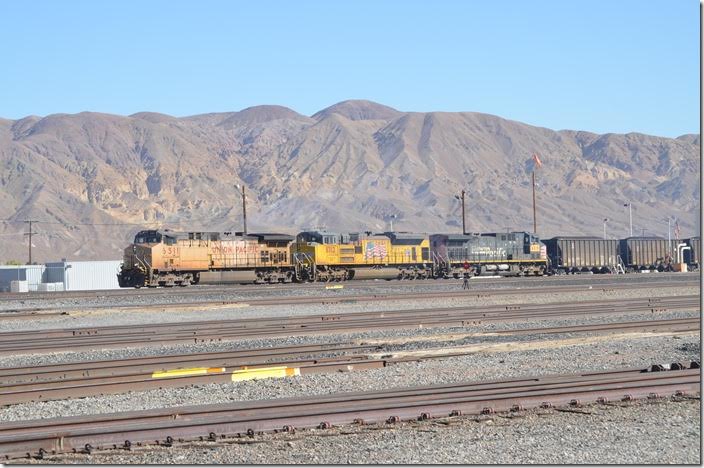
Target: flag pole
point(535, 222)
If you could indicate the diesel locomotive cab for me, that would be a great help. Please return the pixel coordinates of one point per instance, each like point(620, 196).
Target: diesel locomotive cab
point(137, 259)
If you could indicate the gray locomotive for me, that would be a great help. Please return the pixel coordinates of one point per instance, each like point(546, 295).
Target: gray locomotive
point(498, 253)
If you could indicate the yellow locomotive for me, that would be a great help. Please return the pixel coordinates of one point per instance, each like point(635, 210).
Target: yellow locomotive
point(326, 256)
point(167, 258)
point(181, 258)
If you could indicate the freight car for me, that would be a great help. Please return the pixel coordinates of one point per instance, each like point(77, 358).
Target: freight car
point(181, 258)
point(330, 256)
point(648, 253)
point(583, 254)
point(693, 256)
point(505, 253)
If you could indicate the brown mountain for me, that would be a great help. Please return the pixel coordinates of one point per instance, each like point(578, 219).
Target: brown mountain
point(352, 166)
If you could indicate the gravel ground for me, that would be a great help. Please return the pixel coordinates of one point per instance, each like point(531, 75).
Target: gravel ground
point(614, 435)
point(165, 314)
point(128, 297)
point(427, 337)
point(653, 432)
point(599, 354)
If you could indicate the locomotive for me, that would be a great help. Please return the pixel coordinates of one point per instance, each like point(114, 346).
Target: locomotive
point(167, 258)
point(496, 253)
point(184, 258)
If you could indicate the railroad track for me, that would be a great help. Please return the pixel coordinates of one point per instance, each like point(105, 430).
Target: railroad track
point(17, 342)
point(88, 378)
point(237, 288)
point(170, 426)
point(35, 312)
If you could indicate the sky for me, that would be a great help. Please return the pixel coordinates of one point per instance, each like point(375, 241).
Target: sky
point(602, 66)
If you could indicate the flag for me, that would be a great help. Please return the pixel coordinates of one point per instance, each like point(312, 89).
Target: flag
point(537, 161)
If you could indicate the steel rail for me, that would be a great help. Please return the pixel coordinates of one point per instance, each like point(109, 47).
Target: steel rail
point(82, 379)
point(29, 313)
point(238, 288)
point(211, 422)
point(219, 330)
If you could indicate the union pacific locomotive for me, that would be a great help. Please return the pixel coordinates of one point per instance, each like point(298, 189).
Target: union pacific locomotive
point(166, 258)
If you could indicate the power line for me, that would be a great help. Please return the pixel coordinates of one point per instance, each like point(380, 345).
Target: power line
point(145, 223)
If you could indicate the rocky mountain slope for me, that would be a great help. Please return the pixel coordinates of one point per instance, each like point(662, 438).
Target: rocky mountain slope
point(94, 179)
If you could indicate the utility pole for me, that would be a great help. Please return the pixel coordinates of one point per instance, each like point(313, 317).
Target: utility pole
point(535, 222)
point(605, 220)
point(630, 215)
point(464, 226)
point(669, 235)
point(392, 222)
point(537, 163)
point(30, 222)
point(244, 209)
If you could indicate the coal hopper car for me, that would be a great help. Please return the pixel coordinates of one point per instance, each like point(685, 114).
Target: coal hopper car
point(582, 254)
point(648, 253)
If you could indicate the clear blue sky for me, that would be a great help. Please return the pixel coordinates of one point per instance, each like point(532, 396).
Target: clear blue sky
point(604, 66)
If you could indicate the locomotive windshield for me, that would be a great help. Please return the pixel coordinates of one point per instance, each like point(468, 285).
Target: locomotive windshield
point(147, 237)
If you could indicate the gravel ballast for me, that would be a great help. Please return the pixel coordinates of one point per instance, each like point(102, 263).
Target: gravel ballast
point(646, 431)
point(599, 355)
point(169, 314)
point(132, 297)
point(652, 432)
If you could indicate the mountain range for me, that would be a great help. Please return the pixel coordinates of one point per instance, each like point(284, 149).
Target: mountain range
point(92, 179)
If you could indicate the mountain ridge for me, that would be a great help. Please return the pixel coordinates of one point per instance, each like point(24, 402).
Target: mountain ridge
point(352, 166)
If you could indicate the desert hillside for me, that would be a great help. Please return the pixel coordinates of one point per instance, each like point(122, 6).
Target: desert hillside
point(94, 179)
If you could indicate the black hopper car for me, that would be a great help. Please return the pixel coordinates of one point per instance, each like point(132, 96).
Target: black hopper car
point(595, 255)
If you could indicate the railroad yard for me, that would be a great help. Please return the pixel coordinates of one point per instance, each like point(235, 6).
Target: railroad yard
point(562, 369)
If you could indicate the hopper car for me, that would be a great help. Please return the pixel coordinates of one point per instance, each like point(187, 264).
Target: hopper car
point(583, 254)
point(693, 256)
point(648, 253)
